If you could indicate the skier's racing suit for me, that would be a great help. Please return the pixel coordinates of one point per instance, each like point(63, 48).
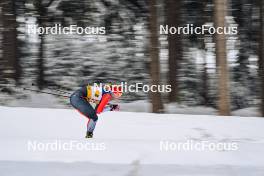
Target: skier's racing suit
point(90, 101)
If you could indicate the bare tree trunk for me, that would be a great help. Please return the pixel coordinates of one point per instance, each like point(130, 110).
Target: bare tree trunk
point(204, 92)
point(221, 57)
point(173, 18)
point(157, 105)
point(42, 18)
point(205, 77)
point(40, 65)
point(10, 44)
point(1, 46)
point(42, 9)
point(261, 54)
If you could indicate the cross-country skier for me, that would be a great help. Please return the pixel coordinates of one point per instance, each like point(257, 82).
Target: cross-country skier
point(92, 100)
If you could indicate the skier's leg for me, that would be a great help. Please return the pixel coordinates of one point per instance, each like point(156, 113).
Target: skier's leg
point(91, 125)
point(83, 106)
point(90, 128)
point(86, 109)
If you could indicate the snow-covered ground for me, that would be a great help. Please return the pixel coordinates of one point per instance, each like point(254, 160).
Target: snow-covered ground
point(128, 143)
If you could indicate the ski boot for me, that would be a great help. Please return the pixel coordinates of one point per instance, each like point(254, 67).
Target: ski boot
point(89, 134)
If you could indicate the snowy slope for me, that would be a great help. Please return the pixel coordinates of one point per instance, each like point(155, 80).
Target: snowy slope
point(130, 143)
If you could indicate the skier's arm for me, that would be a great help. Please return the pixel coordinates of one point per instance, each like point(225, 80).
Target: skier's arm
point(105, 99)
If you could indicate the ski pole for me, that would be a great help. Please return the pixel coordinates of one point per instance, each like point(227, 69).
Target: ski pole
point(57, 90)
point(34, 90)
point(44, 92)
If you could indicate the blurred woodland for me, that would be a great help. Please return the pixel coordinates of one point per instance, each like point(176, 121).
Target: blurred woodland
point(225, 72)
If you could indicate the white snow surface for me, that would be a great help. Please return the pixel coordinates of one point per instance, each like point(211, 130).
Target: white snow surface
point(131, 143)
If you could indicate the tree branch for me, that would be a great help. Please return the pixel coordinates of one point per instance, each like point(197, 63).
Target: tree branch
point(50, 2)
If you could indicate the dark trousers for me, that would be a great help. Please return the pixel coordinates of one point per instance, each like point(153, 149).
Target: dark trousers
point(83, 106)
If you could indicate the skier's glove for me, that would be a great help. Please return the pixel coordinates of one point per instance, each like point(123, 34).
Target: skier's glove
point(114, 107)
